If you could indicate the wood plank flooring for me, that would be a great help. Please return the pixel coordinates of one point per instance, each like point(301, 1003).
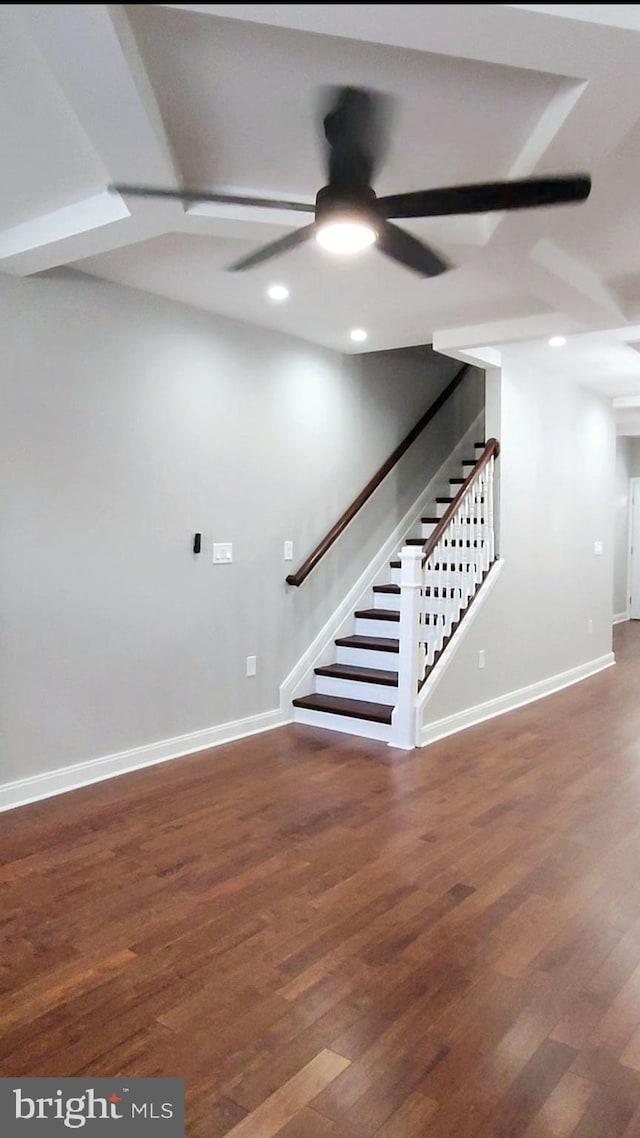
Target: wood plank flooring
point(331, 939)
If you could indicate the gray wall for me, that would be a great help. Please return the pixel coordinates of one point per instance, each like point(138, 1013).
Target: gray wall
point(127, 424)
point(556, 474)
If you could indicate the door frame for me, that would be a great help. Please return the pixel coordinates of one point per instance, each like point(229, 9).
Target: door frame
point(634, 489)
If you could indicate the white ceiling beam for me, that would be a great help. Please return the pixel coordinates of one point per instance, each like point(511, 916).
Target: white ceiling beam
point(573, 283)
point(96, 225)
point(92, 54)
point(502, 332)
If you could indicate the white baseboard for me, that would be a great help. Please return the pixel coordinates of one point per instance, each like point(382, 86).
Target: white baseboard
point(301, 675)
point(38, 786)
point(620, 617)
point(431, 732)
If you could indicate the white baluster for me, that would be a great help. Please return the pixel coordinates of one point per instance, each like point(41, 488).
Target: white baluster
point(403, 723)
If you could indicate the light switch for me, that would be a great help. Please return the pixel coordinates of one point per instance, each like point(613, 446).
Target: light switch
point(288, 551)
point(222, 552)
point(597, 548)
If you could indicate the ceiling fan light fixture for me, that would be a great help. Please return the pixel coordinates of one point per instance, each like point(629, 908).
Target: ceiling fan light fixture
point(345, 236)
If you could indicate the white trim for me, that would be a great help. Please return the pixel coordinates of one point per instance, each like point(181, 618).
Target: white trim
point(38, 786)
point(344, 724)
point(620, 617)
point(634, 485)
point(340, 621)
point(431, 732)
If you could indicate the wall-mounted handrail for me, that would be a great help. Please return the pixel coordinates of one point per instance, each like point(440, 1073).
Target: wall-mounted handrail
point(492, 448)
point(351, 511)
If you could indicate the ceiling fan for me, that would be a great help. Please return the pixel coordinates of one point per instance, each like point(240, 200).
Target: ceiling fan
point(348, 214)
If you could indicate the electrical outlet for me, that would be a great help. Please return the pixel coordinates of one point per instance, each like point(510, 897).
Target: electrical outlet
point(288, 551)
point(251, 665)
point(222, 553)
point(481, 658)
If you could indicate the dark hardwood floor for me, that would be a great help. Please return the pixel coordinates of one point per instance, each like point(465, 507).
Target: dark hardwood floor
point(331, 939)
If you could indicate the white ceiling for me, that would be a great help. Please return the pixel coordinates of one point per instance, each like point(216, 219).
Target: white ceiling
point(228, 97)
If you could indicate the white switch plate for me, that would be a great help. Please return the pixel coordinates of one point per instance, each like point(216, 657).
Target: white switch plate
point(251, 665)
point(481, 658)
point(222, 552)
point(597, 548)
point(288, 551)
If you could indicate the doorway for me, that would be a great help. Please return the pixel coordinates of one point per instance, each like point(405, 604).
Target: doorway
point(634, 548)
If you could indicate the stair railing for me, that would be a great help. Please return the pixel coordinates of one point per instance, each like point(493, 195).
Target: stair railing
point(448, 569)
point(349, 514)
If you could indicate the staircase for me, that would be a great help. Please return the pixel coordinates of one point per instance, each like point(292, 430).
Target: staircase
point(357, 693)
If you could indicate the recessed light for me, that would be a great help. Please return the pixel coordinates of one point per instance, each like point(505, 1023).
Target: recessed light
point(557, 342)
point(277, 292)
point(358, 334)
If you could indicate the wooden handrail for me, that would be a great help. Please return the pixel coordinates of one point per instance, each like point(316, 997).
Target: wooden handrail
point(492, 448)
point(364, 495)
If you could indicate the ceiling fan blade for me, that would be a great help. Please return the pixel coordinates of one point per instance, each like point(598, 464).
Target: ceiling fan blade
point(355, 127)
point(208, 196)
point(274, 249)
point(487, 196)
point(403, 247)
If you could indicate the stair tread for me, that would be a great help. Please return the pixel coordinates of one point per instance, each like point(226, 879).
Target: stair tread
point(339, 705)
point(378, 614)
point(428, 592)
point(357, 673)
point(429, 521)
point(415, 541)
point(372, 643)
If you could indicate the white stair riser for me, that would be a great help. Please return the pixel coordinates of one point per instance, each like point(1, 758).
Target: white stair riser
point(386, 601)
point(464, 581)
point(453, 581)
point(468, 554)
point(355, 689)
point(430, 604)
point(367, 658)
point(471, 531)
point(384, 628)
point(362, 727)
point(426, 529)
point(435, 606)
point(442, 507)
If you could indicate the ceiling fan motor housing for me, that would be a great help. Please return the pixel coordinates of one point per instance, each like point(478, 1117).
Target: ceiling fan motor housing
point(353, 204)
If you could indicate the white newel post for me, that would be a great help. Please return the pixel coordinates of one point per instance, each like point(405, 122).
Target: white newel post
point(403, 727)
